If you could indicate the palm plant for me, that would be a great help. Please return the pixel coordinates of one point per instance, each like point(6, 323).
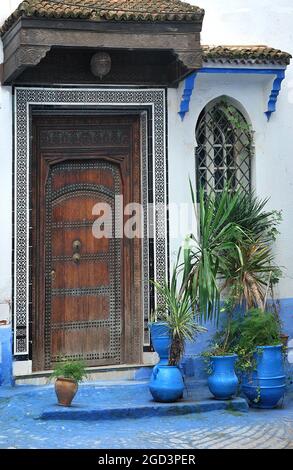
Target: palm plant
point(177, 310)
point(232, 252)
point(250, 272)
point(204, 255)
point(250, 214)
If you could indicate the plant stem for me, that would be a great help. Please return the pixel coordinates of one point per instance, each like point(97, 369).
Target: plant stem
point(176, 351)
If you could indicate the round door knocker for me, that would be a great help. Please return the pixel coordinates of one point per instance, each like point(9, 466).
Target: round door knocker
point(76, 258)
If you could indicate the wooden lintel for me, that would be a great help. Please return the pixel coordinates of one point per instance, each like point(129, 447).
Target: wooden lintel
point(28, 44)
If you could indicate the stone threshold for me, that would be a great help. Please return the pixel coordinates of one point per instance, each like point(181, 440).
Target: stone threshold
point(47, 373)
point(115, 372)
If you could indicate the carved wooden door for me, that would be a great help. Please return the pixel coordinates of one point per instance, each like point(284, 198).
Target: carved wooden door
point(86, 293)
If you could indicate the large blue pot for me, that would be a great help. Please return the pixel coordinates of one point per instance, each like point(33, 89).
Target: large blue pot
point(161, 340)
point(166, 384)
point(223, 381)
point(265, 386)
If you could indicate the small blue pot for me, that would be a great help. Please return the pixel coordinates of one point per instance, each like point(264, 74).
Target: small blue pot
point(161, 340)
point(166, 384)
point(266, 385)
point(223, 381)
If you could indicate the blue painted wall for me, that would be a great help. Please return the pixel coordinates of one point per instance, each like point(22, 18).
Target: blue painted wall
point(6, 356)
point(286, 314)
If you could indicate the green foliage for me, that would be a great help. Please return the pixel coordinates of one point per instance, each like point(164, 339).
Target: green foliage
point(204, 254)
point(255, 328)
point(250, 272)
point(70, 370)
point(258, 328)
point(232, 253)
point(178, 312)
point(243, 334)
point(236, 119)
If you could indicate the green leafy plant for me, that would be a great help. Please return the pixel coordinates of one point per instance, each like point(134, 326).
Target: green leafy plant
point(74, 370)
point(178, 312)
point(231, 255)
point(220, 345)
point(204, 253)
point(250, 272)
point(243, 335)
point(249, 331)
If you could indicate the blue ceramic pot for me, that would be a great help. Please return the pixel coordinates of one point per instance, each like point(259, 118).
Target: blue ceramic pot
point(223, 381)
point(161, 340)
point(265, 386)
point(166, 384)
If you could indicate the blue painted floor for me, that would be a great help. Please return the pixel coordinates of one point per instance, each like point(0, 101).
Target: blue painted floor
point(21, 426)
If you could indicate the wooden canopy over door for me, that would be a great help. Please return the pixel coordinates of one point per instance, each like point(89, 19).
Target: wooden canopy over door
point(86, 290)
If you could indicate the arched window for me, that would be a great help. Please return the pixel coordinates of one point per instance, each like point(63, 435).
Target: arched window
point(224, 148)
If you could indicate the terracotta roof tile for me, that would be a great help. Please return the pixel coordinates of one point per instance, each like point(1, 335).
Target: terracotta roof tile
point(119, 10)
point(146, 10)
point(245, 55)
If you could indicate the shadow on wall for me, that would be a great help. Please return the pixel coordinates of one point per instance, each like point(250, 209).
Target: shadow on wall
point(6, 377)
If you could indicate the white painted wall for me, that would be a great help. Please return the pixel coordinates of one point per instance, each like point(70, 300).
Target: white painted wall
point(7, 7)
point(246, 22)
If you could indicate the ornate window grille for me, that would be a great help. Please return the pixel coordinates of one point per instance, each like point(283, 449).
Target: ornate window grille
point(224, 149)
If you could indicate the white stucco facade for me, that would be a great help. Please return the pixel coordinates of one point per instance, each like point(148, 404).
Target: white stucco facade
point(5, 183)
point(226, 22)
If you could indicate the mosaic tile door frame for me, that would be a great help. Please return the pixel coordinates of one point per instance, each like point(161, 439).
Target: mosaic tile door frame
point(86, 98)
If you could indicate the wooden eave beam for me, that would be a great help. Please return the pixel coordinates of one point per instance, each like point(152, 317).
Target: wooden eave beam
point(29, 40)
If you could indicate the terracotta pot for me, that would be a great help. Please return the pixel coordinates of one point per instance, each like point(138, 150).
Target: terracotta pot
point(284, 339)
point(65, 390)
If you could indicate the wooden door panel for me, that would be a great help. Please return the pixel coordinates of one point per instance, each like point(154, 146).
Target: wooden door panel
point(63, 237)
point(70, 275)
point(96, 177)
point(86, 290)
point(71, 205)
point(86, 308)
point(75, 209)
point(87, 342)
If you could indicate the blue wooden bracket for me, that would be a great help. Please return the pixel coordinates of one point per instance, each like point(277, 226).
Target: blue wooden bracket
point(187, 94)
point(272, 103)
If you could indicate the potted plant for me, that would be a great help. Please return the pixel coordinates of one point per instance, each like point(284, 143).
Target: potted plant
point(68, 375)
point(221, 358)
point(223, 381)
point(261, 359)
point(161, 338)
point(231, 256)
point(204, 261)
point(178, 313)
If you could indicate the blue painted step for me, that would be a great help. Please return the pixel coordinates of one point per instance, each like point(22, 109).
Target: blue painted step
point(96, 402)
